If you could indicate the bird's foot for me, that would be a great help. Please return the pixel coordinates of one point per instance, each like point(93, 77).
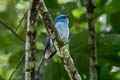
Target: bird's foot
point(66, 42)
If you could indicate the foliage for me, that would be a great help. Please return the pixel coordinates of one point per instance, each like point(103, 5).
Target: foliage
point(107, 28)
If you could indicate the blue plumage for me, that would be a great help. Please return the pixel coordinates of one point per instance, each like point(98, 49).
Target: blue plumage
point(61, 24)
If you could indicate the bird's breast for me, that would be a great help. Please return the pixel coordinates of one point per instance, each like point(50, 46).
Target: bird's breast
point(63, 30)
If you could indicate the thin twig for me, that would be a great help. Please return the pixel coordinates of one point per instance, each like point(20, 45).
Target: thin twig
point(19, 63)
point(16, 9)
point(9, 28)
point(15, 69)
point(21, 20)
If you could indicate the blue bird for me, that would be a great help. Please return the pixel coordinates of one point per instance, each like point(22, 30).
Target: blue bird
point(61, 24)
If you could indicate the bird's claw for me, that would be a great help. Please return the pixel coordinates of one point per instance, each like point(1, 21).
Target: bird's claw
point(66, 42)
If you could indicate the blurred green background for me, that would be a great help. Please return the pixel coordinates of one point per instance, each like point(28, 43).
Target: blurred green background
point(107, 21)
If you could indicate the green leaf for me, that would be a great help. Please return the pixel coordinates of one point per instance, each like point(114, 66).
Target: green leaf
point(112, 7)
point(15, 57)
point(115, 21)
point(108, 49)
point(51, 4)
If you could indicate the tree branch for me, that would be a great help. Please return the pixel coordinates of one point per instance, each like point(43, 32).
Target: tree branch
point(10, 29)
point(92, 41)
point(61, 48)
point(19, 63)
point(21, 20)
point(31, 41)
point(16, 9)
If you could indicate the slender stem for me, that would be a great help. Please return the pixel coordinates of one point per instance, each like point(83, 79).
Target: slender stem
point(16, 9)
point(21, 20)
point(10, 29)
point(92, 41)
point(31, 41)
point(61, 48)
point(18, 65)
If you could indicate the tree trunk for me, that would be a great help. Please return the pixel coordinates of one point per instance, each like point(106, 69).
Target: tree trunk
point(92, 41)
point(31, 41)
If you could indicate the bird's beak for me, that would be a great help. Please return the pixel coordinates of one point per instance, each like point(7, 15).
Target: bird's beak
point(68, 15)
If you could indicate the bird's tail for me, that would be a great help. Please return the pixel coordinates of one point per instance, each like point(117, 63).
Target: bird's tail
point(42, 61)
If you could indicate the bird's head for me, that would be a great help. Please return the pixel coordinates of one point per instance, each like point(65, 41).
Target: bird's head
point(62, 18)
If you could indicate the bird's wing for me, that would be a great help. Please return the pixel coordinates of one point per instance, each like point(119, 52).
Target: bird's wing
point(42, 61)
point(47, 42)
